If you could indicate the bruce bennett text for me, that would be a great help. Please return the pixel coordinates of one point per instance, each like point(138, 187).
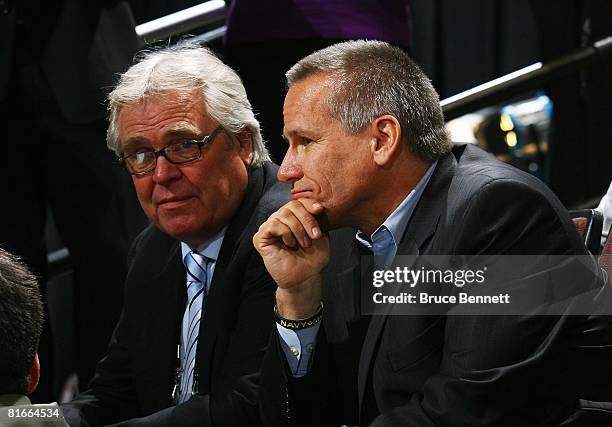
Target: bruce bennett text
point(425, 298)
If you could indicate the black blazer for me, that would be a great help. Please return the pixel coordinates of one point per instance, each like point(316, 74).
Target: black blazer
point(87, 44)
point(136, 378)
point(449, 370)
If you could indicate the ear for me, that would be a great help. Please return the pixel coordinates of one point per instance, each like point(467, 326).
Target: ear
point(34, 375)
point(387, 139)
point(245, 149)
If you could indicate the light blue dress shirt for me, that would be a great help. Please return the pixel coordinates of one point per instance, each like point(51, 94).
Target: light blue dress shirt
point(299, 345)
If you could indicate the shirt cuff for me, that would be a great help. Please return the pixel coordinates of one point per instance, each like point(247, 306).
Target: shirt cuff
point(298, 346)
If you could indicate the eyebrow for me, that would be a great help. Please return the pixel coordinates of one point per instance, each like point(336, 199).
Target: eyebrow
point(299, 132)
point(184, 129)
point(180, 130)
point(133, 143)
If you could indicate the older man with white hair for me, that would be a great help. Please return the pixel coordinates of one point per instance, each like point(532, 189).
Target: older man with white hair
point(198, 300)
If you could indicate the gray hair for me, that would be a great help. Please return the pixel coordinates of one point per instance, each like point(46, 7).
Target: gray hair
point(373, 78)
point(185, 68)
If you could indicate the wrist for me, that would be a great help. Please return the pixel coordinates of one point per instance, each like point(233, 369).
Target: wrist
point(299, 302)
point(299, 324)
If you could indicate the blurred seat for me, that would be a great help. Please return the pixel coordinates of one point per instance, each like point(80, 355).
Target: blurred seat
point(589, 223)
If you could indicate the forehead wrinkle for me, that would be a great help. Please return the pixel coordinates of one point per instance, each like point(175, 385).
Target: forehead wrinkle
point(175, 106)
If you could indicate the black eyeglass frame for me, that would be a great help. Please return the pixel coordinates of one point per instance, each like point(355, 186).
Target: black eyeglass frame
point(162, 152)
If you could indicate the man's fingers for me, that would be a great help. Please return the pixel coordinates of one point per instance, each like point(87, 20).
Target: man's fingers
point(272, 232)
point(284, 232)
point(289, 219)
point(294, 224)
point(304, 211)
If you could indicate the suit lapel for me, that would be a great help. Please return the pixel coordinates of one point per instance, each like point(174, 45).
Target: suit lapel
point(225, 288)
point(420, 229)
point(163, 324)
point(341, 291)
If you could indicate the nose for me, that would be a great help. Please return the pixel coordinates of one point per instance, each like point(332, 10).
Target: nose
point(165, 171)
point(290, 169)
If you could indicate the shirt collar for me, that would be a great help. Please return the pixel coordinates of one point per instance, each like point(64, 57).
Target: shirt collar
point(210, 248)
point(386, 238)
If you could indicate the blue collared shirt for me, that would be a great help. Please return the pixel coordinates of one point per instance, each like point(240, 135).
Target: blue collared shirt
point(298, 345)
point(210, 249)
point(385, 239)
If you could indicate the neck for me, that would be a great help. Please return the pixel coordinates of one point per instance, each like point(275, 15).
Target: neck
point(391, 186)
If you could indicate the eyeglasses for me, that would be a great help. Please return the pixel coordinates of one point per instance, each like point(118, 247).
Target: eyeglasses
point(143, 162)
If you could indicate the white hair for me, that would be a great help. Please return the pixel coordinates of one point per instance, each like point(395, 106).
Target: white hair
point(183, 69)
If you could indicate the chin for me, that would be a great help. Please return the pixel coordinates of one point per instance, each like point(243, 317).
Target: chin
point(180, 231)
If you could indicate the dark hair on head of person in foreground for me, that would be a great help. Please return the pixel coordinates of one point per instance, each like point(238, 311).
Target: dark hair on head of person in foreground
point(21, 319)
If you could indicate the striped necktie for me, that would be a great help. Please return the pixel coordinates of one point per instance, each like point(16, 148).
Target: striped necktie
point(197, 292)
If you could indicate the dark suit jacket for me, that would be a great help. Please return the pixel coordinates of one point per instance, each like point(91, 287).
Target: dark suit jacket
point(79, 48)
point(136, 378)
point(449, 370)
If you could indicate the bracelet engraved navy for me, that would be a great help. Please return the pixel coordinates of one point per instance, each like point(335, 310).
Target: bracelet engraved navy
point(298, 324)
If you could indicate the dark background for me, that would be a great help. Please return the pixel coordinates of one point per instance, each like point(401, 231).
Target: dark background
point(463, 43)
